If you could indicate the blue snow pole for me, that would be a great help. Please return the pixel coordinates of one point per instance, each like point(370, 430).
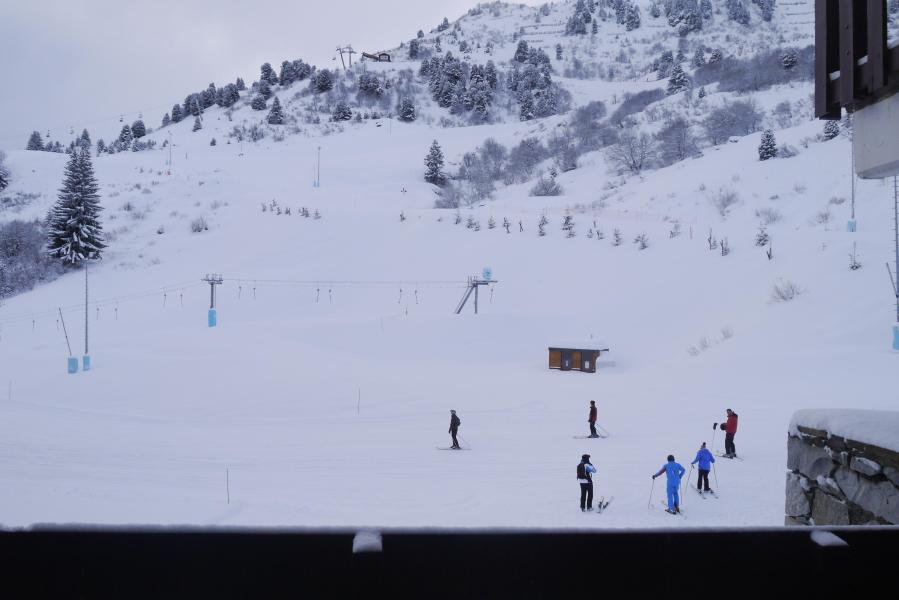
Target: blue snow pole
point(212, 318)
point(73, 364)
point(86, 363)
point(895, 337)
point(851, 226)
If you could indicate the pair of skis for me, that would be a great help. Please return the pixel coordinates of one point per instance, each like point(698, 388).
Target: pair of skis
point(704, 495)
point(589, 437)
point(725, 456)
point(603, 504)
point(679, 513)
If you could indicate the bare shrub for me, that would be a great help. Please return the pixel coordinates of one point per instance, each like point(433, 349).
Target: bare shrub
point(785, 290)
point(199, 224)
point(546, 186)
point(768, 216)
point(724, 199)
point(824, 217)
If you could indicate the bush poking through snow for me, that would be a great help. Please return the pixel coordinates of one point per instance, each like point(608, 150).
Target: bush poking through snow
point(768, 216)
point(546, 186)
point(785, 291)
point(198, 225)
point(723, 200)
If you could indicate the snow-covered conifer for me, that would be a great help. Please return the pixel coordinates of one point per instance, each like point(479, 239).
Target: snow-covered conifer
point(406, 111)
point(737, 11)
point(4, 173)
point(177, 115)
point(265, 90)
point(198, 125)
point(241, 86)
point(831, 129)
point(631, 17)
point(678, 80)
point(789, 59)
point(698, 57)
point(166, 120)
point(138, 129)
point(434, 163)
point(276, 115)
point(288, 73)
point(768, 145)
point(75, 232)
point(125, 137)
point(521, 52)
point(267, 74)
point(35, 142)
point(558, 51)
point(258, 102)
point(341, 112)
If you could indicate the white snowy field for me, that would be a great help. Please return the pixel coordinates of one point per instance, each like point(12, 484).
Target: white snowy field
point(330, 413)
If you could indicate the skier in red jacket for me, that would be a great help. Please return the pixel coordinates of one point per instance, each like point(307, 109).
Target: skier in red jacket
point(592, 419)
point(730, 429)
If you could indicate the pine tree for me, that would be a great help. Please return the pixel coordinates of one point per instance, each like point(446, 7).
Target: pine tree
point(75, 232)
point(85, 140)
point(699, 57)
point(101, 147)
point(288, 73)
point(138, 129)
point(125, 137)
point(176, 113)
point(526, 107)
point(35, 142)
point(678, 80)
point(737, 11)
point(407, 111)
point(265, 90)
point(323, 81)
point(434, 163)
point(241, 86)
point(258, 102)
point(831, 129)
point(413, 49)
point(4, 175)
point(521, 52)
point(558, 51)
point(444, 25)
point(341, 112)
point(276, 115)
point(268, 74)
point(166, 120)
point(716, 56)
point(198, 125)
point(632, 17)
point(768, 146)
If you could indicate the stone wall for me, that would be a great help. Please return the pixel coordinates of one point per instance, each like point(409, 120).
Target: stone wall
point(834, 480)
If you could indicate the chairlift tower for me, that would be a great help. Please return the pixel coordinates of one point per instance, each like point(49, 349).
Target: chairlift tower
point(474, 284)
point(348, 50)
point(213, 279)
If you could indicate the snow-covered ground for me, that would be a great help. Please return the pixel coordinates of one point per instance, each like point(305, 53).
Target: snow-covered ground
point(324, 392)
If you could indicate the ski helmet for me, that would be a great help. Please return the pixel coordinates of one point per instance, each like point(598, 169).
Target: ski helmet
point(670, 458)
point(585, 457)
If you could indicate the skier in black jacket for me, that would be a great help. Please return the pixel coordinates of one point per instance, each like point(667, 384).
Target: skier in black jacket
point(585, 470)
point(454, 429)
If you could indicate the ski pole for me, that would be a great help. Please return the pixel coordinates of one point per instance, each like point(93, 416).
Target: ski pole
point(603, 429)
point(649, 504)
point(715, 471)
point(688, 483)
point(464, 440)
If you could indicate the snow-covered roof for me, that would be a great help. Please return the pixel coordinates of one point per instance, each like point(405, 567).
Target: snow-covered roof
point(875, 427)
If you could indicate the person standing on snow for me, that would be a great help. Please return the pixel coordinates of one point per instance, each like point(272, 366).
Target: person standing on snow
point(592, 419)
point(730, 429)
point(585, 472)
point(705, 459)
point(674, 472)
point(454, 429)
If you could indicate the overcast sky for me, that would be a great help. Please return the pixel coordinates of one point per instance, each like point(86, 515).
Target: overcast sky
point(80, 63)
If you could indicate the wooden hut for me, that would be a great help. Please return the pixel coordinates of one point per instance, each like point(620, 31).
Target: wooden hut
point(575, 357)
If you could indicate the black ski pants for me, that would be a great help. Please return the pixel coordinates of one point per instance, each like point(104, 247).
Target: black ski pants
point(729, 447)
point(586, 495)
point(453, 432)
point(703, 479)
point(592, 427)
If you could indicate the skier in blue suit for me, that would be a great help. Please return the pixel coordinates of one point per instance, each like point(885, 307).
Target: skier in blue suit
point(674, 472)
point(705, 459)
